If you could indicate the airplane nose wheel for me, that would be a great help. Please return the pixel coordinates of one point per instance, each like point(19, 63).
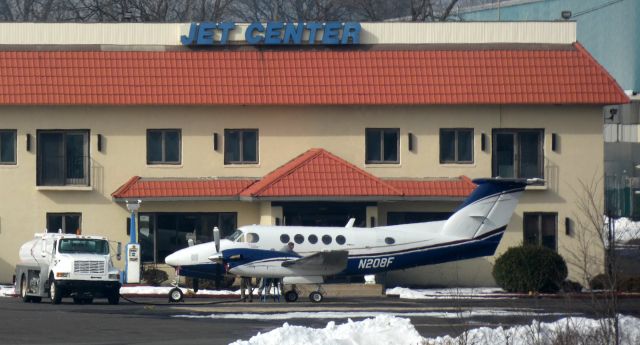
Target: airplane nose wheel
point(175, 295)
point(316, 297)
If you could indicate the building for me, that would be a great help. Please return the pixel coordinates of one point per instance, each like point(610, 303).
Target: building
point(387, 128)
point(609, 31)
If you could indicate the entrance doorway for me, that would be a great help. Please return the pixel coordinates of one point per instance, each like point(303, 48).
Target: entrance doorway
point(324, 213)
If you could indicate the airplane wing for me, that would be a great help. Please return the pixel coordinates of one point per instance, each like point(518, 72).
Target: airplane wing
point(330, 261)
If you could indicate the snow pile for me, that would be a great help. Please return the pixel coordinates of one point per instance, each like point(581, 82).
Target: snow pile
point(571, 330)
point(7, 291)
point(379, 330)
point(449, 293)
point(386, 329)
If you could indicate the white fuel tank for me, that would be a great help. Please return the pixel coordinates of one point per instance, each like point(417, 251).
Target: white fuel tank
point(38, 250)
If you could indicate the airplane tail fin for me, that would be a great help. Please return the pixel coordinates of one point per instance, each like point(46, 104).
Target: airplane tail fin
point(488, 209)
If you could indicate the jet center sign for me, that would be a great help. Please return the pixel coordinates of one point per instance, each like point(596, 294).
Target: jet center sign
point(275, 33)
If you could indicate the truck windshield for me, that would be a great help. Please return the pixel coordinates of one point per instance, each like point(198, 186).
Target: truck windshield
point(83, 245)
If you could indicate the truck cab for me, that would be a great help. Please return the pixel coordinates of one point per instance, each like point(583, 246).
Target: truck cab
point(63, 265)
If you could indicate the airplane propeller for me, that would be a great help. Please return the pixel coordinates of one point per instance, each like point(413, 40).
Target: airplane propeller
point(216, 239)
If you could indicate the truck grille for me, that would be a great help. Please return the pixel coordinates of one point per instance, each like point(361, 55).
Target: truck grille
point(88, 267)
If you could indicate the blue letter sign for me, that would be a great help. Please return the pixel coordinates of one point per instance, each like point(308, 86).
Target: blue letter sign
point(275, 33)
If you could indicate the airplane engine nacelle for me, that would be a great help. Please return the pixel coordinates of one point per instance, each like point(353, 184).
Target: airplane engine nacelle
point(303, 280)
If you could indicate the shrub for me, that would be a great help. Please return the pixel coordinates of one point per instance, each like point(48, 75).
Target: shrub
point(571, 286)
point(623, 284)
point(154, 276)
point(530, 269)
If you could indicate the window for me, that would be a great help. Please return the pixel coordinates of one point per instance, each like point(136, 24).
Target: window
point(389, 240)
point(84, 246)
point(69, 223)
point(313, 239)
point(7, 147)
point(326, 239)
point(518, 153)
point(161, 234)
point(298, 238)
point(456, 145)
point(541, 229)
point(163, 146)
point(382, 145)
point(284, 238)
point(240, 146)
point(63, 158)
point(340, 239)
point(252, 237)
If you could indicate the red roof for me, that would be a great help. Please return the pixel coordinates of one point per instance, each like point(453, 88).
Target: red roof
point(319, 173)
point(314, 174)
point(561, 74)
point(140, 188)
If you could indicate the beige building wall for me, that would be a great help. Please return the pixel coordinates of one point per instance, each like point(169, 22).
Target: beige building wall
point(284, 133)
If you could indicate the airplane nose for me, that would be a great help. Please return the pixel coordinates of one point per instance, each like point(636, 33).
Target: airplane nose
point(172, 260)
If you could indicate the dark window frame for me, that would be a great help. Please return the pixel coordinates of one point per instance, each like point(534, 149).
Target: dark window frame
point(540, 216)
point(241, 131)
point(517, 149)
point(15, 146)
point(63, 222)
point(154, 230)
point(86, 157)
point(163, 149)
point(456, 142)
point(381, 132)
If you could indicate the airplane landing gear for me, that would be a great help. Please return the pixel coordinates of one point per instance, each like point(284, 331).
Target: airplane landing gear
point(316, 297)
point(175, 295)
point(291, 296)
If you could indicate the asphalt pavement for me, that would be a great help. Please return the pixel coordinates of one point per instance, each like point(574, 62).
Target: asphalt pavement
point(130, 323)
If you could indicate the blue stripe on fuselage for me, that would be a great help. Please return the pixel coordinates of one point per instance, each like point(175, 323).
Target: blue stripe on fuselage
point(458, 251)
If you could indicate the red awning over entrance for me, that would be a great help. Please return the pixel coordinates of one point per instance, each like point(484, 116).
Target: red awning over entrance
point(314, 175)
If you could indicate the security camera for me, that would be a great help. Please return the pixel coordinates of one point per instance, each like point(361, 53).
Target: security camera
point(566, 15)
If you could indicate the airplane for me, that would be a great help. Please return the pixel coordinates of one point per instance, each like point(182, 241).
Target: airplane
point(308, 254)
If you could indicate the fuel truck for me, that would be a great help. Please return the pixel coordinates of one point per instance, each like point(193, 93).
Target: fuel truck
point(57, 265)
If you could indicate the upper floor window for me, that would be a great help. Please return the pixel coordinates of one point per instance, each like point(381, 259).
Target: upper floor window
point(541, 229)
point(382, 145)
point(7, 146)
point(63, 157)
point(240, 146)
point(518, 153)
point(456, 145)
point(163, 146)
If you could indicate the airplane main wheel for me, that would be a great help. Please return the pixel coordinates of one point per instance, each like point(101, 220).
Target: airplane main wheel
point(291, 296)
point(316, 297)
point(175, 295)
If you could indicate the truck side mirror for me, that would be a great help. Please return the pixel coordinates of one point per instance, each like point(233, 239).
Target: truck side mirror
point(119, 251)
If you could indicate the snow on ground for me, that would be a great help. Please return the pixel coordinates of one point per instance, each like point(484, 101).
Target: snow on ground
point(385, 329)
point(450, 293)
point(362, 314)
point(379, 330)
point(6, 291)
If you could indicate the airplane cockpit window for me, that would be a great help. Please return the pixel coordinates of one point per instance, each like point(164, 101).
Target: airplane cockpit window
point(284, 238)
point(236, 236)
point(313, 239)
point(389, 240)
point(326, 239)
point(298, 238)
point(253, 237)
point(340, 239)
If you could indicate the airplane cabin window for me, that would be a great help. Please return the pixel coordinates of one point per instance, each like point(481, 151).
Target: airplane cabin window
point(313, 239)
point(236, 236)
point(253, 237)
point(326, 239)
point(389, 240)
point(284, 238)
point(340, 239)
point(298, 238)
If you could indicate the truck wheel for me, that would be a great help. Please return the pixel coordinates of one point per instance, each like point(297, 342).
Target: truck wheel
point(114, 297)
point(55, 292)
point(23, 290)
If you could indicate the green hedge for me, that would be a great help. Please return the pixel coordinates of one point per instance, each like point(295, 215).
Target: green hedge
point(530, 269)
